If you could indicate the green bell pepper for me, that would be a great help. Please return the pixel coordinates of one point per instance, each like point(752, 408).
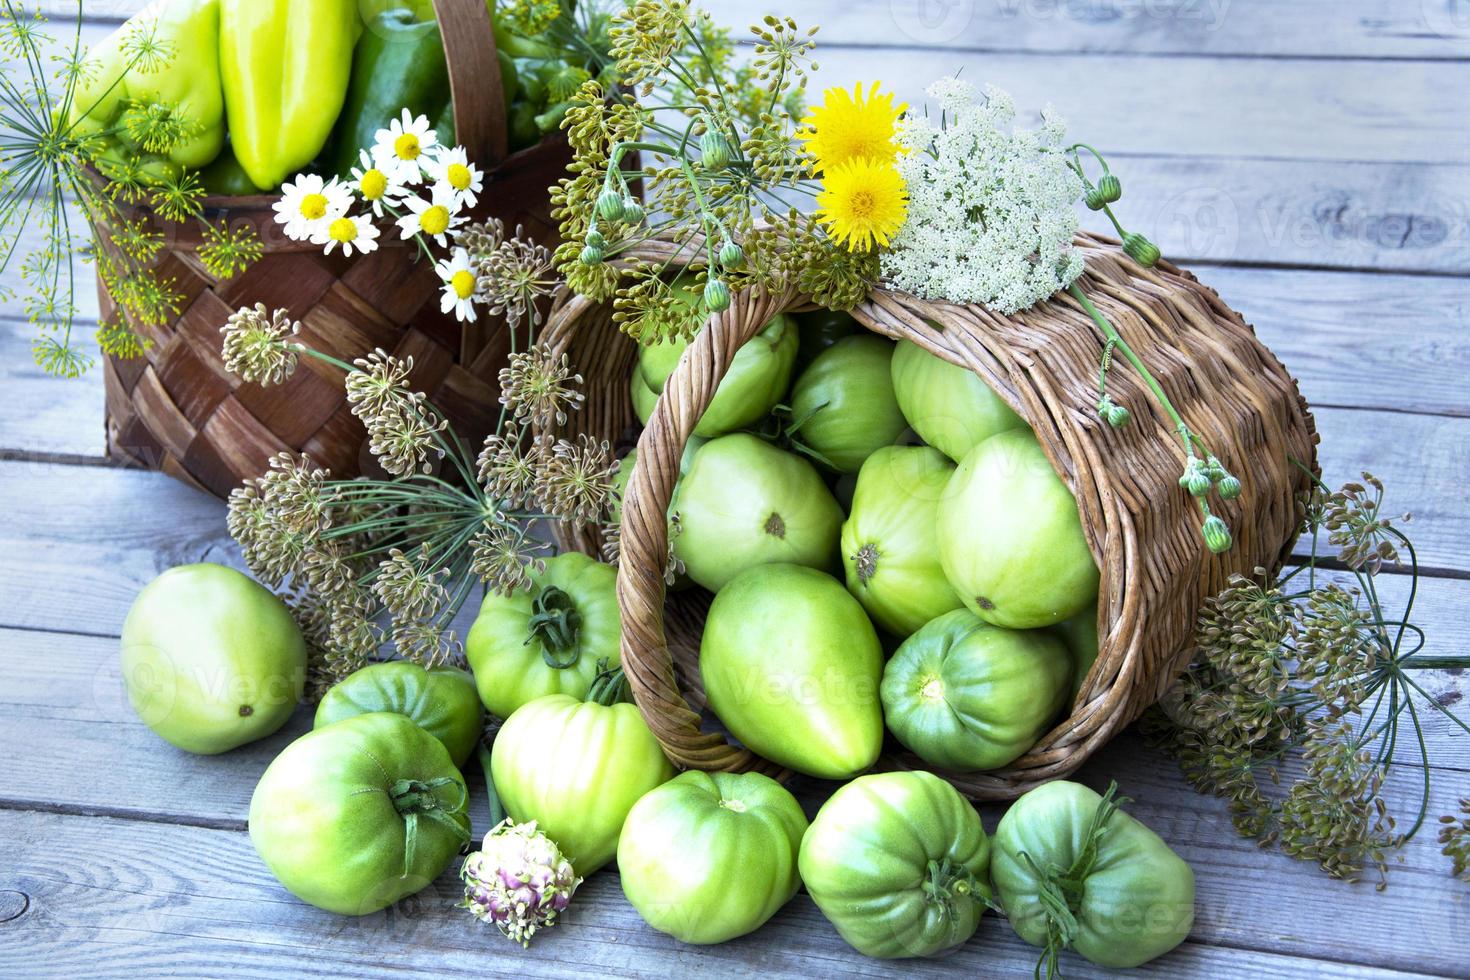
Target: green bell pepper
point(226, 178)
point(285, 65)
point(117, 84)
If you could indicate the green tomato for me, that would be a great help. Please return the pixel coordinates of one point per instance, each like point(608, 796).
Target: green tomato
point(820, 329)
point(791, 665)
point(758, 377)
point(625, 472)
point(709, 856)
point(890, 550)
point(441, 701)
point(844, 402)
point(969, 696)
point(899, 863)
point(1080, 635)
point(548, 639)
point(576, 768)
point(948, 406)
point(211, 660)
point(1010, 538)
point(1128, 897)
point(745, 503)
point(357, 815)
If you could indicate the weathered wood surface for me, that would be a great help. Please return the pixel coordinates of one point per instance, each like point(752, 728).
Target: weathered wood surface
point(1318, 135)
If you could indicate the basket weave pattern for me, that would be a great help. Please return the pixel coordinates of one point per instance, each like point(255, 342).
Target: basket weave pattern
point(176, 409)
point(1143, 530)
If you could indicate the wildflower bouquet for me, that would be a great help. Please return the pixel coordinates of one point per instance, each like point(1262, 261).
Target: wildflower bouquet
point(963, 210)
point(53, 151)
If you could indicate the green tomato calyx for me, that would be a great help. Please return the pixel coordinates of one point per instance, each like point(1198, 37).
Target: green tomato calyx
point(416, 799)
point(610, 687)
point(947, 882)
point(1060, 890)
point(557, 625)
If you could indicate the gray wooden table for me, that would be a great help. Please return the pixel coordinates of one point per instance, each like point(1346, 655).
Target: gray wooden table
point(1310, 159)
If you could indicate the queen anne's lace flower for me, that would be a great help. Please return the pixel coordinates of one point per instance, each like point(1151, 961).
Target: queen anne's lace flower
point(991, 210)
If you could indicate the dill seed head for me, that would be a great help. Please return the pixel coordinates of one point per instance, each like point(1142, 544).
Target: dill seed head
point(255, 345)
point(540, 386)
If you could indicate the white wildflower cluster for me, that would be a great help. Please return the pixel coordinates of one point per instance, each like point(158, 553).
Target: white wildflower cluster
point(409, 176)
point(992, 211)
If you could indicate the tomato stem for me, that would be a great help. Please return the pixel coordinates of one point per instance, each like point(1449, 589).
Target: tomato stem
point(557, 624)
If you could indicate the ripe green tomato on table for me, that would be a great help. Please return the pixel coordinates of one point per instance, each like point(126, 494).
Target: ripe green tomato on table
point(1127, 897)
point(441, 701)
point(890, 551)
point(576, 768)
point(1010, 537)
point(709, 856)
point(843, 404)
point(791, 664)
point(745, 503)
point(548, 639)
point(948, 406)
point(359, 814)
point(211, 659)
point(969, 696)
point(899, 863)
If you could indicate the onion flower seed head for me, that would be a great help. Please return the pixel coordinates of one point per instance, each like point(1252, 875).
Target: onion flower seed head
point(518, 881)
point(610, 205)
point(716, 296)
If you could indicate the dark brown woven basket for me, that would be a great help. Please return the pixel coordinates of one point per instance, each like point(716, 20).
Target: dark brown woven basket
point(176, 409)
point(1142, 529)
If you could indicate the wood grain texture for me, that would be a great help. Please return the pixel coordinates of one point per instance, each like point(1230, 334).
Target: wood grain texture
point(1316, 28)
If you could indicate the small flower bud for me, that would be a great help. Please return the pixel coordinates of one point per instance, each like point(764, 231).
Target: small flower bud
point(1118, 416)
point(610, 205)
point(1141, 250)
point(1229, 487)
point(714, 150)
point(1110, 189)
point(595, 238)
point(1217, 535)
point(592, 255)
point(632, 211)
point(1094, 199)
point(1214, 469)
point(1197, 483)
point(732, 256)
point(716, 296)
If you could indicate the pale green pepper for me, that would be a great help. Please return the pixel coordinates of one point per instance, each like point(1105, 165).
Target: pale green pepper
point(285, 65)
point(183, 76)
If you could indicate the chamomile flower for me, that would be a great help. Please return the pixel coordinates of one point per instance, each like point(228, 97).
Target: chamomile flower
point(433, 218)
point(373, 184)
point(460, 285)
point(400, 151)
point(453, 167)
point(309, 204)
point(352, 232)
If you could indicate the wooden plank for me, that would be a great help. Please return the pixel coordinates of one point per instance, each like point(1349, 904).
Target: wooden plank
point(1315, 28)
point(184, 900)
point(1353, 339)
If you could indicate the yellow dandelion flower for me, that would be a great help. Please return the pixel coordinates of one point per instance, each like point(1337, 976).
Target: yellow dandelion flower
point(863, 201)
point(851, 126)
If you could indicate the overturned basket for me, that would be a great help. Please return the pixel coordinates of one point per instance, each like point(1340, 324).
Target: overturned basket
point(1142, 529)
point(178, 410)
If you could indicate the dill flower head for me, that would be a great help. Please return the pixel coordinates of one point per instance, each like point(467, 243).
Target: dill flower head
point(851, 126)
point(993, 209)
point(863, 203)
point(255, 345)
point(577, 480)
point(540, 386)
point(506, 470)
point(504, 558)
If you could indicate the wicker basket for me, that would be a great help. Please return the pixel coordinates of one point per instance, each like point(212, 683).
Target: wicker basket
point(1142, 529)
point(177, 410)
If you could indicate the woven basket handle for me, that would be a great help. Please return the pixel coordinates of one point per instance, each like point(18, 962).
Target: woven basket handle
point(647, 661)
point(474, 79)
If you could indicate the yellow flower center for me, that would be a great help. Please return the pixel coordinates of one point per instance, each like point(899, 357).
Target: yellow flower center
point(435, 220)
point(343, 230)
point(459, 176)
point(464, 283)
point(374, 184)
point(861, 205)
point(314, 207)
point(407, 147)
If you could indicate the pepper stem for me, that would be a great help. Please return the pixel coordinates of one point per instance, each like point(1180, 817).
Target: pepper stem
point(557, 625)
